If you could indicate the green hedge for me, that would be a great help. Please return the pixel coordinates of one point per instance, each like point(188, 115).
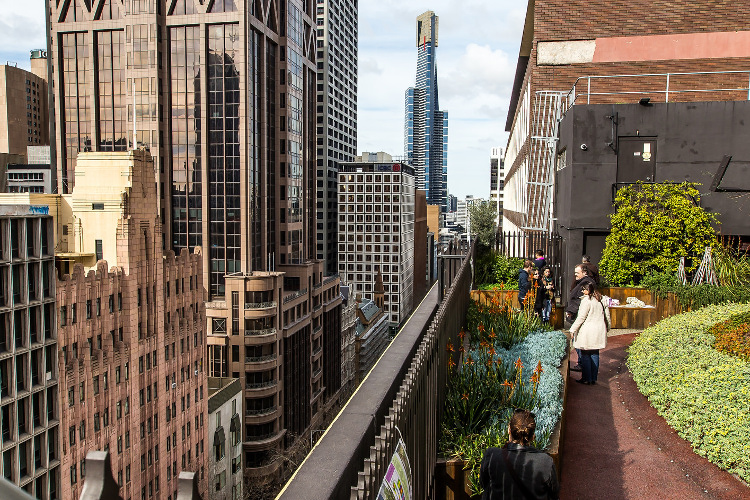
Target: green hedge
point(702, 393)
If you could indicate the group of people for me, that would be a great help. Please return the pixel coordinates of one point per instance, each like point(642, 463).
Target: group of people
point(539, 273)
point(519, 470)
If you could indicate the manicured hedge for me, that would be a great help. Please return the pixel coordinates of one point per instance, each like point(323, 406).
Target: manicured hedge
point(702, 393)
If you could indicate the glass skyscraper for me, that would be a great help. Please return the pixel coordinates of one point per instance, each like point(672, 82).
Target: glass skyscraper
point(426, 129)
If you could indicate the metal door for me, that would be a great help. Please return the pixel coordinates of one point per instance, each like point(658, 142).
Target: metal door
point(636, 159)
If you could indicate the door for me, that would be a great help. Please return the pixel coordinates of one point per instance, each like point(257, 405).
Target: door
point(636, 159)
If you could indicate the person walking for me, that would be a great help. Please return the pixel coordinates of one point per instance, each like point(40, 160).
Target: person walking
point(518, 470)
point(582, 278)
point(524, 281)
point(590, 333)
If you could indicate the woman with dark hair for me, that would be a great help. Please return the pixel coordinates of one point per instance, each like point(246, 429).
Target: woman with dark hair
point(547, 290)
point(590, 332)
point(518, 470)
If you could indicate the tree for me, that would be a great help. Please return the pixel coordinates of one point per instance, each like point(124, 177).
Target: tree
point(482, 223)
point(652, 227)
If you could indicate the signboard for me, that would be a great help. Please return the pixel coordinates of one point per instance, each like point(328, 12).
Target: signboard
point(397, 481)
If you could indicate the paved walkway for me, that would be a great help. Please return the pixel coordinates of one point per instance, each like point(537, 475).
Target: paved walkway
point(617, 447)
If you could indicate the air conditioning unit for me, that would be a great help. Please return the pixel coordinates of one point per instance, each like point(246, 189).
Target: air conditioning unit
point(196, 372)
point(174, 385)
point(49, 376)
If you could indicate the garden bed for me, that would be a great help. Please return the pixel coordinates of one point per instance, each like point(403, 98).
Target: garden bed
point(452, 478)
point(702, 393)
point(640, 317)
point(507, 360)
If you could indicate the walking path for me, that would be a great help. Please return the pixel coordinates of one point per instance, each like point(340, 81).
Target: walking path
point(616, 446)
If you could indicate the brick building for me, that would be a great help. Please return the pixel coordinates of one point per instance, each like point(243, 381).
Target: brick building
point(130, 337)
point(661, 50)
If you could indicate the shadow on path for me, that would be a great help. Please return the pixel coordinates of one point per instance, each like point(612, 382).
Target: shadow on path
point(617, 447)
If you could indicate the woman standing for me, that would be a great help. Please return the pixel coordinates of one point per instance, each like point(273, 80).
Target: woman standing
point(590, 332)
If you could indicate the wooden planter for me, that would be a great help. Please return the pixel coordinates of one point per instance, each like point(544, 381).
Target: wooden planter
point(640, 317)
point(452, 481)
point(485, 297)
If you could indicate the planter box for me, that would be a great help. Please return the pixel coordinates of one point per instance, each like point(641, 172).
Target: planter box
point(640, 317)
point(452, 481)
point(485, 297)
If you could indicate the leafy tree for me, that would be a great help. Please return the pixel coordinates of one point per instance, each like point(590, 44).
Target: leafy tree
point(652, 227)
point(482, 218)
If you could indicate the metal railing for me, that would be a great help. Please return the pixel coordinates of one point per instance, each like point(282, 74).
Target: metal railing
point(259, 359)
point(259, 305)
point(261, 412)
point(295, 295)
point(261, 385)
point(666, 90)
point(265, 331)
point(404, 396)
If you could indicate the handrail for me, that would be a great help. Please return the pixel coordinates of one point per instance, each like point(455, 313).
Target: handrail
point(261, 412)
point(259, 359)
point(295, 295)
point(261, 385)
point(572, 95)
point(266, 331)
point(260, 305)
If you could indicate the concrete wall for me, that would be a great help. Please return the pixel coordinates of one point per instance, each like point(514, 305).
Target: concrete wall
point(691, 140)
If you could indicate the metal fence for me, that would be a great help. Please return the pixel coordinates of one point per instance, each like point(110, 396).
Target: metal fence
point(416, 412)
point(524, 245)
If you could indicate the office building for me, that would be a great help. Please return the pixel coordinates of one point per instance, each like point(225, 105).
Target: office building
point(376, 232)
point(426, 130)
point(27, 178)
point(223, 96)
point(336, 123)
point(131, 333)
point(497, 182)
point(24, 115)
point(29, 389)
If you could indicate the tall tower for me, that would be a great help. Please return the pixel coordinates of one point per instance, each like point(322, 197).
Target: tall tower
point(426, 128)
point(336, 115)
point(222, 94)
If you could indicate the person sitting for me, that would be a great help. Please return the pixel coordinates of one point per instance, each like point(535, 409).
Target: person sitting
point(518, 470)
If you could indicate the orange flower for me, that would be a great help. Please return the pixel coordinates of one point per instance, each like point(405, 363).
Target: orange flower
point(465, 397)
point(450, 346)
point(519, 364)
point(507, 384)
point(492, 351)
point(480, 327)
point(539, 368)
point(451, 364)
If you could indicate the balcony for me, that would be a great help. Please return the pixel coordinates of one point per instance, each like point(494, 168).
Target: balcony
point(263, 415)
point(295, 295)
point(260, 333)
point(259, 305)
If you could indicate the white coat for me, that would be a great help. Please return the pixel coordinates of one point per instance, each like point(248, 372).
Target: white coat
point(589, 330)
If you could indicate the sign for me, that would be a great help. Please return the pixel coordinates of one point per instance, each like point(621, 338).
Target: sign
point(397, 481)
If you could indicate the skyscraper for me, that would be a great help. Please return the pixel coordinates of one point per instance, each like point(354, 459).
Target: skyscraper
point(426, 130)
point(337, 113)
point(222, 94)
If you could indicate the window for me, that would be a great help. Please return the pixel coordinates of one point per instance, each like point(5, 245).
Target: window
point(99, 250)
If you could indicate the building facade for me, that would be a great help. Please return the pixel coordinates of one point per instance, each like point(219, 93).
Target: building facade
point(225, 478)
point(336, 108)
point(223, 96)
point(24, 114)
point(497, 183)
point(28, 178)
point(621, 57)
point(426, 129)
point(131, 337)
point(29, 410)
point(376, 232)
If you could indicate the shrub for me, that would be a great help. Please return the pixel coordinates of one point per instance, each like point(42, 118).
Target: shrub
point(503, 325)
point(702, 393)
point(506, 271)
point(695, 297)
point(733, 336)
point(652, 227)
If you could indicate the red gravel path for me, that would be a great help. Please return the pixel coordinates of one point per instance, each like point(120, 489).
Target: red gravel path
point(616, 446)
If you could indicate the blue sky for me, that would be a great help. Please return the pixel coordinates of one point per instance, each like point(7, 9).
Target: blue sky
point(476, 59)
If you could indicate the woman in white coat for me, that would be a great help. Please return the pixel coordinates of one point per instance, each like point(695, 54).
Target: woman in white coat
point(590, 332)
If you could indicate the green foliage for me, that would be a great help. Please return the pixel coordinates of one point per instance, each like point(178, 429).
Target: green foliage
point(482, 217)
point(483, 266)
point(652, 227)
point(503, 325)
point(702, 393)
point(732, 268)
point(506, 271)
point(694, 297)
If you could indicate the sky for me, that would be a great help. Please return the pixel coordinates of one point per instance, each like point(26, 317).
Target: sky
point(478, 43)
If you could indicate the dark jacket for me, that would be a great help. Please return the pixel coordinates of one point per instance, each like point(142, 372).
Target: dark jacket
point(540, 262)
point(574, 297)
point(524, 284)
point(534, 468)
point(541, 294)
point(593, 272)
